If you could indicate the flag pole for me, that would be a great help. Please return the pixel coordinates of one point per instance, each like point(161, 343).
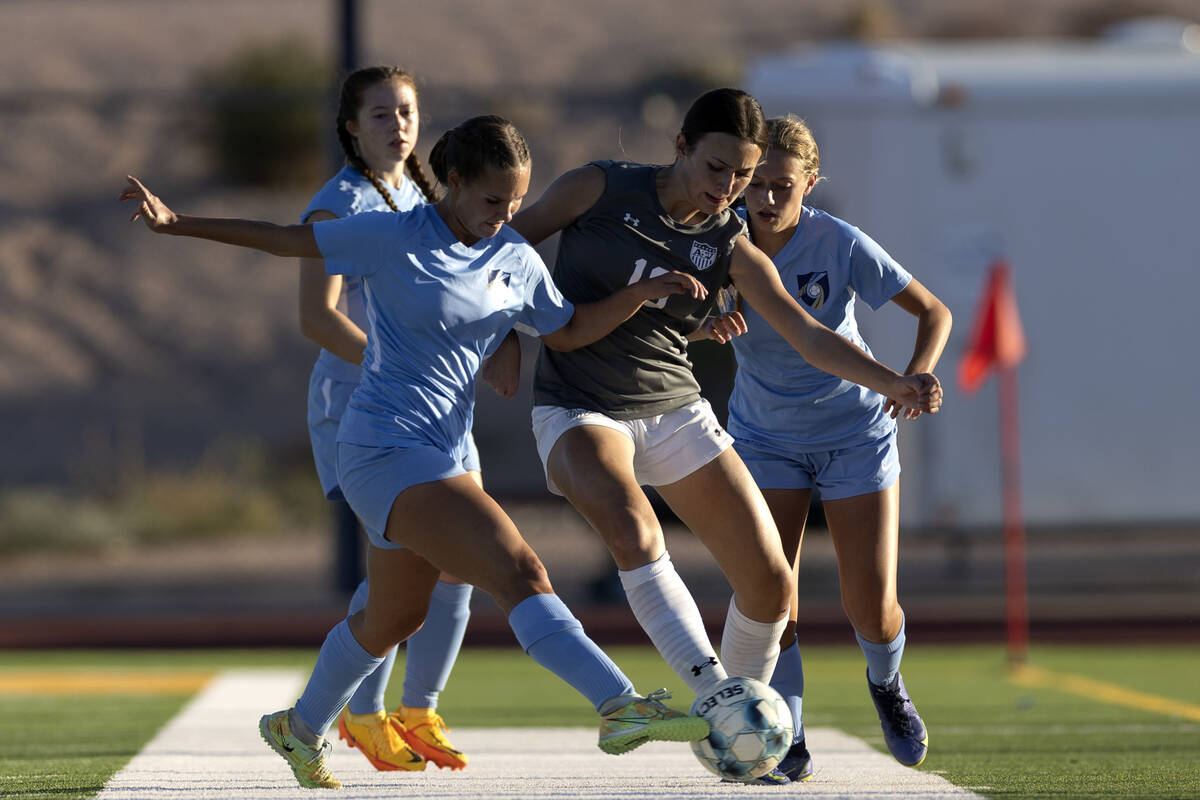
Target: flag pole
point(1016, 597)
point(997, 342)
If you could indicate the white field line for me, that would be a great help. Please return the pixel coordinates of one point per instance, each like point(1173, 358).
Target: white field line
point(212, 749)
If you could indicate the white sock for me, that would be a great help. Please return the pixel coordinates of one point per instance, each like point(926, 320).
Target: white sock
point(666, 611)
point(750, 648)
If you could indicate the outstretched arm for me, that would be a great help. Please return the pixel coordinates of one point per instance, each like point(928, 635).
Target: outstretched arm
point(279, 240)
point(758, 281)
point(593, 321)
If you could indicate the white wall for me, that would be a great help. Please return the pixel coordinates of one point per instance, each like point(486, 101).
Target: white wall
point(1094, 198)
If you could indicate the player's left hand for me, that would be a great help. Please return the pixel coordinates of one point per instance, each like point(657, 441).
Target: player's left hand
point(915, 395)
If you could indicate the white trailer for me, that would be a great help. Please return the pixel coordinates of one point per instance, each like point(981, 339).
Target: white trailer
point(1080, 164)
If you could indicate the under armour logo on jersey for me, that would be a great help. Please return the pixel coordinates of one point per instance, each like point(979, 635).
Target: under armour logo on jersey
point(358, 196)
point(814, 288)
point(703, 255)
point(630, 219)
point(712, 662)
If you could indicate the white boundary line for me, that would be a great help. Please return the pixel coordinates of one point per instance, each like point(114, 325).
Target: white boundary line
point(212, 749)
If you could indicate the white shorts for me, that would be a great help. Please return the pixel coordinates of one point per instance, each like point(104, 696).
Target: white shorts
point(666, 448)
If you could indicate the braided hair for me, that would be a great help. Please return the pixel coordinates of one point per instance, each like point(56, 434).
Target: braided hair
point(350, 103)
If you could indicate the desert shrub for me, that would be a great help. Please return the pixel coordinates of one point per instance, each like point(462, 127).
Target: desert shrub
point(235, 490)
point(265, 113)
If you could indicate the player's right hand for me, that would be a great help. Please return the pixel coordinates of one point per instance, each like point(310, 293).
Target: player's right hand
point(723, 327)
point(154, 212)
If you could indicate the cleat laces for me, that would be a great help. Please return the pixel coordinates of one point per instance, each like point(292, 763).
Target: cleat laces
point(898, 717)
point(318, 764)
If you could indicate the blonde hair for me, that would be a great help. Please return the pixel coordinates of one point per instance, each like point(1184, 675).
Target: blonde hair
point(791, 135)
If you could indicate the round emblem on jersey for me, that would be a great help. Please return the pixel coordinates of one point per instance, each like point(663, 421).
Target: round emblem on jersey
point(704, 255)
point(814, 288)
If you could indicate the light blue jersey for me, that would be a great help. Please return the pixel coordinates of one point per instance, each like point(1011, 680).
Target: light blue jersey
point(346, 194)
point(435, 309)
point(781, 403)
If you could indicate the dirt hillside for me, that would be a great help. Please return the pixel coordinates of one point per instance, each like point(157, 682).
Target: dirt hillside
point(118, 348)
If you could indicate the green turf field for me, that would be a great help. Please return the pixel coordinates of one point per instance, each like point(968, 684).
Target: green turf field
point(1115, 722)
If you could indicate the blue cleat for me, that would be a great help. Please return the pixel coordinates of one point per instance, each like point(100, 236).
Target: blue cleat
point(903, 731)
point(797, 765)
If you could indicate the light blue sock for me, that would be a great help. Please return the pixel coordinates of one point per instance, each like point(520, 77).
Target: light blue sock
point(788, 680)
point(551, 635)
point(433, 649)
point(341, 664)
point(883, 660)
point(368, 697)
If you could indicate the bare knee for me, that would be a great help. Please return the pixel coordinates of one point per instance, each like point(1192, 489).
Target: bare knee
point(634, 538)
point(768, 595)
point(525, 577)
point(875, 618)
point(380, 632)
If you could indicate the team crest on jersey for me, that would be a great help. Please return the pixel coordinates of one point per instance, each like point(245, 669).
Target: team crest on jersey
point(814, 288)
point(498, 279)
point(703, 255)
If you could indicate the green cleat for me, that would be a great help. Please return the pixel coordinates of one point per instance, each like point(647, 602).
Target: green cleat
point(309, 764)
point(646, 719)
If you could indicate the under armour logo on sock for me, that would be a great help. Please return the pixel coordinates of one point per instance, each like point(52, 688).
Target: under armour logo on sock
point(712, 662)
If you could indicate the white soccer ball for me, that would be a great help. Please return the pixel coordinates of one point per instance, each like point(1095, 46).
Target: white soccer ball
point(751, 729)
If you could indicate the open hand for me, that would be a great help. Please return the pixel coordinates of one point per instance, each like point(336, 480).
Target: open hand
point(154, 212)
point(723, 327)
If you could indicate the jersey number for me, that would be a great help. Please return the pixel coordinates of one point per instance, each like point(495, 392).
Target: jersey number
point(639, 269)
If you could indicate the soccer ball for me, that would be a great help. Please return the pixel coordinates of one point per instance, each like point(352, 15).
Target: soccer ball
point(751, 729)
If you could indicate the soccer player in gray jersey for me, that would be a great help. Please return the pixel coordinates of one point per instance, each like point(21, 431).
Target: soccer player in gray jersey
point(626, 410)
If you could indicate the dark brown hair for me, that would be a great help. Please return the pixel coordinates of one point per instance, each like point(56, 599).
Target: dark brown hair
point(729, 111)
point(475, 145)
point(350, 103)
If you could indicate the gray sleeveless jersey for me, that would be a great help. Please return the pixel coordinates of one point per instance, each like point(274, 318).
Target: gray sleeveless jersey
point(641, 369)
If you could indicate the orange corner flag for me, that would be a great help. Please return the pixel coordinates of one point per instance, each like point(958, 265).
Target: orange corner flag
point(997, 338)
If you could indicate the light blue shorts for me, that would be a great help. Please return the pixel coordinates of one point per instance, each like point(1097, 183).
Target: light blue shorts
point(837, 474)
point(327, 399)
point(372, 477)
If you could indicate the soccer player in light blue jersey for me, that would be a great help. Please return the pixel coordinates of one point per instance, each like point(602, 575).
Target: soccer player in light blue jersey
point(443, 284)
point(798, 428)
point(378, 122)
